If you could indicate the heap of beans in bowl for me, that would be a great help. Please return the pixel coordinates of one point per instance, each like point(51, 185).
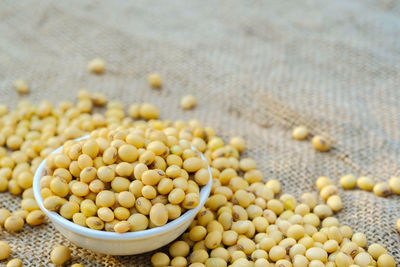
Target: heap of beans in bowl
point(125, 179)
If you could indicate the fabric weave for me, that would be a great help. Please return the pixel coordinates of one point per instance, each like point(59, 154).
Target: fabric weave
point(258, 68)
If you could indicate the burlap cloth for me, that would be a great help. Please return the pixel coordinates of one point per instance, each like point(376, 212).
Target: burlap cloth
point(258, 68)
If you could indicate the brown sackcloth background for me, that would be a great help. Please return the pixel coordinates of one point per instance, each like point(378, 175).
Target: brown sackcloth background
point(258, 68)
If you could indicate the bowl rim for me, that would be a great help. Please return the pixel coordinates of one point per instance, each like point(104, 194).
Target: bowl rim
point(99, 234)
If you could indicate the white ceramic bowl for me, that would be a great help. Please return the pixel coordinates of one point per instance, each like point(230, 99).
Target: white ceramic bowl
point(120, 244)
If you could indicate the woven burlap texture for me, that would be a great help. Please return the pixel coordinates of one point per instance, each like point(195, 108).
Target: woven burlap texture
point(258, 68)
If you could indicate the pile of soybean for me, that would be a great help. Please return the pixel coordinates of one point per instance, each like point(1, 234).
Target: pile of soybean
point(246, 221)
point(126, 179)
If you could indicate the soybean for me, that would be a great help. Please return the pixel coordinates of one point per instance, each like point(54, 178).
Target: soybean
point(154, 80)
point(60, 254)
point(320, 143)
point(188, 102)
point(96, 66)
point(348, 181)
point(4, 250)
point(300, 133)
